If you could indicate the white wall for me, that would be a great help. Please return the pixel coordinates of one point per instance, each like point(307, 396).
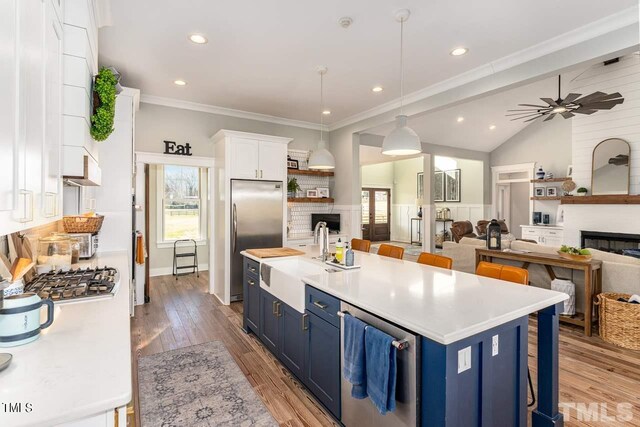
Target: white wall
point(623, 121)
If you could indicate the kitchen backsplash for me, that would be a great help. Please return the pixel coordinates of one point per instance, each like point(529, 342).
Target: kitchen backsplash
point(299, 214)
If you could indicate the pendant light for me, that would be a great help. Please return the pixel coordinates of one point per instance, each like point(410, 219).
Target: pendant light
point(321, 158)
point(402, 140)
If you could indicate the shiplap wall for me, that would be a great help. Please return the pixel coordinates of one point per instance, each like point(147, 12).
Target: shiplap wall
point(623, 121)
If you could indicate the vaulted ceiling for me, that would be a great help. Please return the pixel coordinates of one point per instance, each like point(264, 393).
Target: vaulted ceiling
point(261, 56)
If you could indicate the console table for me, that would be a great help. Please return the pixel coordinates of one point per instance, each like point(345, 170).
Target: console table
point(446, 236)
point(592, 271)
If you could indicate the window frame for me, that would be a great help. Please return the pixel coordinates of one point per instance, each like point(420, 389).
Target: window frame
point(161, 242)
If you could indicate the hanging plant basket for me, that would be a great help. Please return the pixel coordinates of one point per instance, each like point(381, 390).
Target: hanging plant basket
point(104, 103)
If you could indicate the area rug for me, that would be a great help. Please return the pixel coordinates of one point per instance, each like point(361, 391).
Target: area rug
point(197, 386)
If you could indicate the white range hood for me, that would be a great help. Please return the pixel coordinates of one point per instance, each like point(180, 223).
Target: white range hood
point(80, 168)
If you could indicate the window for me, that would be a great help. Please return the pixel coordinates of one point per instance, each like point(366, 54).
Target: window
point(181, 203)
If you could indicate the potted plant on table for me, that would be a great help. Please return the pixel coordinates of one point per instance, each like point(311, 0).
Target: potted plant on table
point(292, 187)
point(582, 191)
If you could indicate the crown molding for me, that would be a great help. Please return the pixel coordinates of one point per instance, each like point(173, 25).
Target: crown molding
point(213, 109)
point(608, 24)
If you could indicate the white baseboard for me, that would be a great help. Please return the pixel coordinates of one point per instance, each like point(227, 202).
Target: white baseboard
point(168, 271)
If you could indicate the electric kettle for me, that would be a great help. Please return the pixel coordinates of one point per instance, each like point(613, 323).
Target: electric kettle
point(20, 319)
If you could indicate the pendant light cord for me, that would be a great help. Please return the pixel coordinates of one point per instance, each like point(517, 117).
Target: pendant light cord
point(321, 104)
point(401, 65)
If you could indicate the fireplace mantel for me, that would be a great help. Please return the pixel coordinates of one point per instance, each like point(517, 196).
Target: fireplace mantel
point(601, 200)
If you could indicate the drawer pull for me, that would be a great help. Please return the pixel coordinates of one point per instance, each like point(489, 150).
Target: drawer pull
point(251, 282)
point(320, 305)
point(273, 310)
point(278, 311)
point(252, 269)
point(305, 326)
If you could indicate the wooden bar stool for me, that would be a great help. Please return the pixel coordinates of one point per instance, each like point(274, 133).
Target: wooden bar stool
point(391, 251)
point(509, 274)
point(361, 245)
point(435, 260)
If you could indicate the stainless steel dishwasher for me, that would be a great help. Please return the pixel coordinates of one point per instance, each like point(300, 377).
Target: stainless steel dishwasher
point(361, 412)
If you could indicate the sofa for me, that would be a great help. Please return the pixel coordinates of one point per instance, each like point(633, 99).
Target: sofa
point(620, 273)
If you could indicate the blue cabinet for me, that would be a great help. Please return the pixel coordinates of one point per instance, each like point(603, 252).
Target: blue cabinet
point(322, 362)
point(270, 309)
point(251, 301)
point(293, 327)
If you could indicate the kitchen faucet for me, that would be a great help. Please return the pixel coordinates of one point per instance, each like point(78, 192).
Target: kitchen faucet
point(321, 232)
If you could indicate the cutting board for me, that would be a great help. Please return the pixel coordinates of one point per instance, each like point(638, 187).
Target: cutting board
point(274, 252)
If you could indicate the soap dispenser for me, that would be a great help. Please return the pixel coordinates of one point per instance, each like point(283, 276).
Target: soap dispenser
point(349, 257)
point(340, 251)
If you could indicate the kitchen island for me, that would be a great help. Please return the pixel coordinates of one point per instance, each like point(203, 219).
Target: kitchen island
point(78, 373)
point(471, 346)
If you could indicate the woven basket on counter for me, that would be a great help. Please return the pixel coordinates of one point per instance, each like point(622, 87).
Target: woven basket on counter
point(82, 224)
point(619, 321)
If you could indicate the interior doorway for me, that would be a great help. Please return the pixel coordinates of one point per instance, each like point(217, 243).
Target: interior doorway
point(376, 214)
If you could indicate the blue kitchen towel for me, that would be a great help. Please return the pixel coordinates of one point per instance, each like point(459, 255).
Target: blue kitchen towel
point(381, 369)
point(354, 369)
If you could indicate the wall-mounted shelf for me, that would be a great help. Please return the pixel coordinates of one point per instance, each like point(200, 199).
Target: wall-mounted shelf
point(602, 200)
point(546, 198)
point(549, 180)
point(308, 172)
point(310, 199)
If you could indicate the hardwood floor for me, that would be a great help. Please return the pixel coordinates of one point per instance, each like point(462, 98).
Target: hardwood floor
point(595, 377)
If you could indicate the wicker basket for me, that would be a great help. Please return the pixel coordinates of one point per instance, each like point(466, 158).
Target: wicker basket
point(619, 321)
point(82, 224)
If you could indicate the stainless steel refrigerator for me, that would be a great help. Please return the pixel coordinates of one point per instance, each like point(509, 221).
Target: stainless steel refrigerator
point(256, 222)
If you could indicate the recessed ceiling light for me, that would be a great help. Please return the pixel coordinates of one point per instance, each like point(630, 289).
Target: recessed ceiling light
point(198, 38)
point(459, 51)
point(492, 127)
point(460, 119)
point(180, 82)
point(326, 112)
point(377, 89)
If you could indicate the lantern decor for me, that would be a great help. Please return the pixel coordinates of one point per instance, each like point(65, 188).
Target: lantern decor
point(493, 235)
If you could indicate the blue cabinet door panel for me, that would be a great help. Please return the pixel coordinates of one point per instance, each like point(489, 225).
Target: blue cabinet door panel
point(292, 336)
point(269, 321)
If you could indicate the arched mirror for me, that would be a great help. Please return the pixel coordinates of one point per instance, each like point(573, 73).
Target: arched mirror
point(610, 170)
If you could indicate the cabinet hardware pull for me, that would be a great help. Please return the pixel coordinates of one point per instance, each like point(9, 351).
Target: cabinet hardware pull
point(273, 310)
point(28, 206)
point(260, 173)
point(305, 327)
point(252, 269)
point(321, 305)
point(251, 282)
point(256, 173)
point(278, 311)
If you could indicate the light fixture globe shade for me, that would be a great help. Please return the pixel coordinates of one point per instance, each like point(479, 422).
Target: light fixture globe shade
point(321, 158)
point(402, 141)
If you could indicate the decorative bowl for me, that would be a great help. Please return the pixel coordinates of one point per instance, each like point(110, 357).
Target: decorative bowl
point(575, 257)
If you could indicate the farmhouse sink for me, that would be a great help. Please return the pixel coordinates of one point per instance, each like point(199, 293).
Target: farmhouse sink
point(286, 279)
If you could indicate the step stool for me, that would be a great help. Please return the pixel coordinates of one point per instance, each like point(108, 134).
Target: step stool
point(193, 255)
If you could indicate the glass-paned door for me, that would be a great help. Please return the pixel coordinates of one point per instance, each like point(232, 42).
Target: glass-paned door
point(376, 214)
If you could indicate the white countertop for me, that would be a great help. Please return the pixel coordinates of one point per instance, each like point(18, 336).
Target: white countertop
point(80, 366)
point(443, 305)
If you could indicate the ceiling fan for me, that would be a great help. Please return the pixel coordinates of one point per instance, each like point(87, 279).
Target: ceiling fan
point(568, 107)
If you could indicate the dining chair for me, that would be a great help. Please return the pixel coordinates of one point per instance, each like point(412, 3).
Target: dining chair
point(509, 274)
point(361, 245)
point(391, 251)
point(435, 260)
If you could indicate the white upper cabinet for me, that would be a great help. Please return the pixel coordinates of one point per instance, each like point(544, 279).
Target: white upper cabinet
point(273, 160)
point(31, 76)
point(8, 107)
point(258, 157)
point(245, 158)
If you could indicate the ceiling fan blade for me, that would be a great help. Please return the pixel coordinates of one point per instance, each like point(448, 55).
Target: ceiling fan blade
point(551, 116)
point(608, 97)
point(589, 97)
point(523, 116)
point(606, 105)
point(567, 114)
point(532, 119)
point(533, 105)
point(583, 111)
point(570, 98)
point(550, 101)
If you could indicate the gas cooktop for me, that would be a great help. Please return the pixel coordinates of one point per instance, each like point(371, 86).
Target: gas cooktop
point(75, 285)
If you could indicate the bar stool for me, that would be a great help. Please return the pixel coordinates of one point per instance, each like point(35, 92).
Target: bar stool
point(509, 274)
point(391, 251)
point(435, 260)
point(361, 245)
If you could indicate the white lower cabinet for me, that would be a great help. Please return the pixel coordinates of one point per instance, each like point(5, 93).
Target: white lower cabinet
point(113, 418)
point(543, 235)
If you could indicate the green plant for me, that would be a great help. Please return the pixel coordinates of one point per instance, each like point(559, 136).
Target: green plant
point(102, 118)
point(293, 186)
point(574, 251)
point(582, 190)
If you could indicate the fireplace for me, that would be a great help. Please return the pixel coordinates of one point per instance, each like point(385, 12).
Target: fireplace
point(620, 243)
